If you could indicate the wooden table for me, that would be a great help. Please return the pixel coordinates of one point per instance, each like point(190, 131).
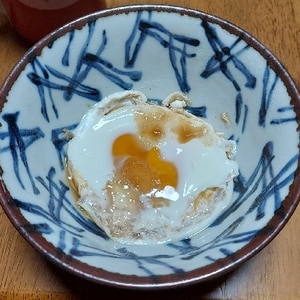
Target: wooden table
point(272, 274)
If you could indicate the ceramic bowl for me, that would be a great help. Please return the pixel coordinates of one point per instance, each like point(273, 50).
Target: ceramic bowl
point(157, 50)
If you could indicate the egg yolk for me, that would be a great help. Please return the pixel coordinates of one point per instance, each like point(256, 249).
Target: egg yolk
point(145, 170)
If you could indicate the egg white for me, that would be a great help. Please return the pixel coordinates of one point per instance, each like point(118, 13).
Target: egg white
point(202, 163)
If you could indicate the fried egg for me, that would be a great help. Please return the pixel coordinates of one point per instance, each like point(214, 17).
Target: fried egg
point(148, 173)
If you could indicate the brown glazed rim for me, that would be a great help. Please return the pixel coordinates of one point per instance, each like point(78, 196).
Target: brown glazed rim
point(212, 271)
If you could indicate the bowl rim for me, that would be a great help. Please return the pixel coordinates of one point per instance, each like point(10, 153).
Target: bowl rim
point(209, 272)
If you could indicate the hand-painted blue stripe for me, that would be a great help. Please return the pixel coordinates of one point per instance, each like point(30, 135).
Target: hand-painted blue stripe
point(81, 72)
point(262, 175)
point(61, 245)
point(282, 121)
point(144, 263)
point(187, 250)
point(42, 228)
point(222, 56)
point(175, 43)
point(66, 56)
point(131, 48)
point(246, 187)
point(19, 141)
point(267, 93)
point(180, 73)
point(58, 201)
point(110, 72)
point(59, 142)
point(238, 107)
point(272, 189)
point(36, 79)
point(80, 89)
point(246, 109)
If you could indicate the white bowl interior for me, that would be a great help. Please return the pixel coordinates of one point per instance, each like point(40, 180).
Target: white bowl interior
point(156, 51)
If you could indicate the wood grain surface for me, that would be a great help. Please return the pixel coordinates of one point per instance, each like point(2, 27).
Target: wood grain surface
point(272, 274)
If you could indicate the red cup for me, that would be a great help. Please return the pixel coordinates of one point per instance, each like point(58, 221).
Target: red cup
point(33, 19)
